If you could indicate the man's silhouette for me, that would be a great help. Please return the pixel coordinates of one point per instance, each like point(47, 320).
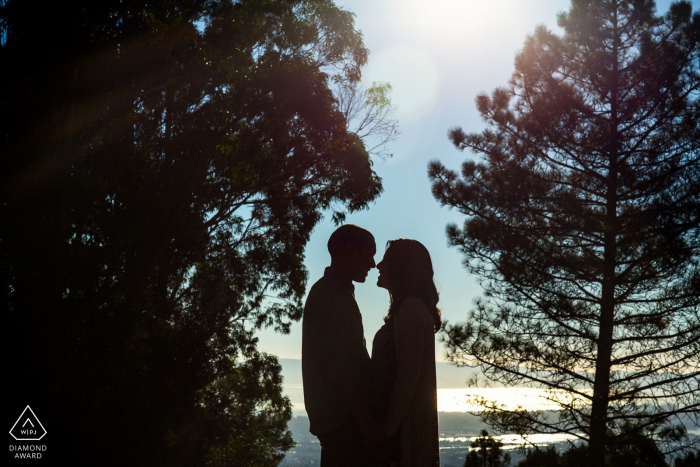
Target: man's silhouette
point(335, 361)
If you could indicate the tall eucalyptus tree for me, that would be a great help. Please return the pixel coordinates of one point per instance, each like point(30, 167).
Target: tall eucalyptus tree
point(163, 164)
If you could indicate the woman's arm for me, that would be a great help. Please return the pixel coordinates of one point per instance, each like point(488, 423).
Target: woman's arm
point(410, 334)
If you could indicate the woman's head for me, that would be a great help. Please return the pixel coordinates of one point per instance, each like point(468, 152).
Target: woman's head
point(407, 271)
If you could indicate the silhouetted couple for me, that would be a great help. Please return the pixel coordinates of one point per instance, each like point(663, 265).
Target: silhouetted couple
point(380, 411)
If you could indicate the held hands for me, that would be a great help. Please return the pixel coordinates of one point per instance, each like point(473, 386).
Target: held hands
point(372, 433)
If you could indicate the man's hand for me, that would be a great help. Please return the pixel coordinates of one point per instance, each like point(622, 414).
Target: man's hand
point(373, 434)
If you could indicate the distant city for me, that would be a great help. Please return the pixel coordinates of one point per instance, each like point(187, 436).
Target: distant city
point(456, 428)
point(456, 433)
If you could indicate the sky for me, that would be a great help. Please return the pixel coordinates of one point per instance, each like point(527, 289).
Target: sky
point(437, 56)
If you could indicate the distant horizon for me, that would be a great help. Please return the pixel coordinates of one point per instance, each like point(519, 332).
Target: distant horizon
point(450, 380)
point(449, 376)
point(451, 384)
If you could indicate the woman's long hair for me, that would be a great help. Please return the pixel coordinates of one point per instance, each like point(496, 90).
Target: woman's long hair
point(410, 274)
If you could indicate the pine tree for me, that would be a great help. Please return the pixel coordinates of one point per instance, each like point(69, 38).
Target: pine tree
point(486, 452)
point(583, 223)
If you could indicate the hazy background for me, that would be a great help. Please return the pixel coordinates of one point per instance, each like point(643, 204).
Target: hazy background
point(438, 56)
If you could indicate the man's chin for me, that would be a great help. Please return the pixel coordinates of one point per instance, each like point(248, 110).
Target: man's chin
point(361, 279)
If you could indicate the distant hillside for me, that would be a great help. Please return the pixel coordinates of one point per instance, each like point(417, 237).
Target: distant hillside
point(448, 375)
point(291, 371)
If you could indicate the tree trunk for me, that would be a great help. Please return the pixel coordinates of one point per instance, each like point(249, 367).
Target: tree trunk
point(601, 384)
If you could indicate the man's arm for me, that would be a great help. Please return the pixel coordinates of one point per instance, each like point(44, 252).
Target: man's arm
point(347, 359)
point(371, 429)
point(349, 390)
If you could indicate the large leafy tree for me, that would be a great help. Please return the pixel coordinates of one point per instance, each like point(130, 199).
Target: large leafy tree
point(163, 165)
point(583, 222)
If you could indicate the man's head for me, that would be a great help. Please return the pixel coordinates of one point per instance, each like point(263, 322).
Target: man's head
point(352, 250)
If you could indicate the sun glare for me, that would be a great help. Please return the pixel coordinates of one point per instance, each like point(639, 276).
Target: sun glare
point(413, 76)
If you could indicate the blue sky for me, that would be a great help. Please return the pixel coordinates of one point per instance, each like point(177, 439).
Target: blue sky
point(438, 56)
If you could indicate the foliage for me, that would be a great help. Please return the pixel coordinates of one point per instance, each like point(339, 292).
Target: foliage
point(486, 452)
point(576, 457)
point(583, 224)
point(257, 414)
point(163, 165)
point(368, 113)
point(690, 459)
point(639, 451)
point(541, 458)
point(637, 448)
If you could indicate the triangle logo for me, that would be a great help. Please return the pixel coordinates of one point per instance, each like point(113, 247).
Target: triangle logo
point(27, 427)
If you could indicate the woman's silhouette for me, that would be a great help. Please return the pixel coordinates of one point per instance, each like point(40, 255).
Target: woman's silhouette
point(403, 357)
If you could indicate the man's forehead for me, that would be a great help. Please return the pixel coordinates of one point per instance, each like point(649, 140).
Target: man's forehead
point(369, 247)
point(364, 244)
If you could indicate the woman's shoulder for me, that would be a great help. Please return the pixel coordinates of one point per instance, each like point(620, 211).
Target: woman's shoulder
point(413, 306)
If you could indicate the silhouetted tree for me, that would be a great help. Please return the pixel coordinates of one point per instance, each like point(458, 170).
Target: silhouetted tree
point(633, 455)
point(163, 165)
point(368, 113)
point(548, 457)
point(583, 223)
point(637, 447)
point(486, 452)
point(690, 459)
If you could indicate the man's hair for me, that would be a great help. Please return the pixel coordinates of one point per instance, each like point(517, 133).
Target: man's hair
point(346, 235)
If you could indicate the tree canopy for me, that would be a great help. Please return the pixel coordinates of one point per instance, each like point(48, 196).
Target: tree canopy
point(583, 224)
point(163, 165)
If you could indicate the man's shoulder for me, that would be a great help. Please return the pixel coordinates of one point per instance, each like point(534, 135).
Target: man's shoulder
point(327, 285)
point(328, 294)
